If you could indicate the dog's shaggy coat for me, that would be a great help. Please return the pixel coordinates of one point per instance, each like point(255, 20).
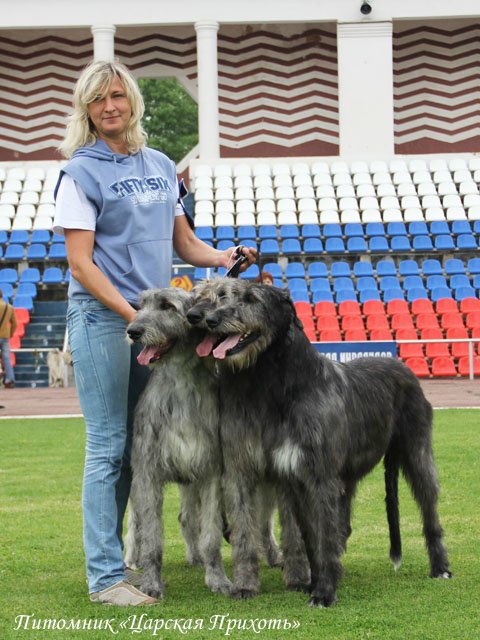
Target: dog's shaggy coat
point(313, 425)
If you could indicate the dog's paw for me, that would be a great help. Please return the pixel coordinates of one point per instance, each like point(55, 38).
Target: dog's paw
point(297, 585)
point(238, 593)
point(221, 586)
point(442, 574)
point(322, 601)
point(153, 589)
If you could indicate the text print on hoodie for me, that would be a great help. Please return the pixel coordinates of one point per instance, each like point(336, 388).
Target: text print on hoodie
point(135, 197)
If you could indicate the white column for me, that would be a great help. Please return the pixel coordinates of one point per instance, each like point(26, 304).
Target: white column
point(207, 70)
point(103, 43)
point(365, 87)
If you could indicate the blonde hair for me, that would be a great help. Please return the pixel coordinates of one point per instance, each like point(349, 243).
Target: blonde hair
point(94, 81)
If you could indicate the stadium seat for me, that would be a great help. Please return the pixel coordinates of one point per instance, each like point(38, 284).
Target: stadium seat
point(446, 305)
point(473, 266)
point(366, 282)
point(57, 252)
point(343, 283)
point(408, 268)
point(401, 321)
point(443, 367)
point(417, 293)
point(349, 308)
point(377, 321)
point(355, 335)
point(373, 307)
point(330, 335)
point(291, 246)
point(444, 243)
point(326, 322)
point(320, 284)
point(19, 237)
point(334, 245)
point(317, 270)
point(400, 243)
point(464, 366)
point(419, 366)
point(289, 231)
point(458, 349)
point(386, 268)
point(298, 295)
point(362, 269)
point(369, 295)
point(332, 231)
point(251, 272)
point(350, 323)
point(396, 229)
point(451, 319)
point(464, 292)
point(422, 243)
point(269, 247)
point(437, 349)
point(325, 308)
point(397, 307)
point(267, 232)
point(354, 230)
point(340, 269)
point(203, 233)
point(14, 252)
point(384, 335)
point(23, 302)
point(432, 282)
point(431, 267)
point(31, 274)
point(409, 349)
point(378, 244)
point(426, 321)
point(356, 245)
point(26, 289)
point(393, 294)
point(312, 246)
point(389, 282)
point(454, 266)
point(295, 270)
point(36, 252)
point(440, 292)
point(52, 275)
point(345, 294)
point(297, 284)
point(472, 320)
point(467, 305)
point(310, 231)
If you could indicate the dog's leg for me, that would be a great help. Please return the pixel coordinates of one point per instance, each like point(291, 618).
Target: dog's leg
point(239, 494)
point(189, 517)
point(345, 513)
point(132, 539)
point(296, 568)
point(211, 527)
point(266, 500)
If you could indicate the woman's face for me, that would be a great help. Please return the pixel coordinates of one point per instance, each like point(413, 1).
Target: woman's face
point(111, 112)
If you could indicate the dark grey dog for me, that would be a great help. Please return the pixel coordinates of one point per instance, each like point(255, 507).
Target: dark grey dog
point(314, 426)
point(176, 439)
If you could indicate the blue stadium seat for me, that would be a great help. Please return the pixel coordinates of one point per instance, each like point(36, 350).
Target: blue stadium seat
point(23, 302)
point(320, 284)
point(378, 244)
point(473, 265)
point(67, 275)
point(200, 273)
point(57, 252)
point(386, 268)
point(459, 280)
point(14, 252)
point(267, 232)
point(417, 293)
point(366, 282)
point(408, 268)
point(246, 232)
point(269, 247)
point(431, 267)
point(291, 246)
point(373, 229)
point(274, 268)
point(313, 245)
point(476, 282)
point(389, 282)
point(224, 232)
point(453, 266)
point(40, 235)
point(221, 271)
point(439, 227)
point(310, 231)
point(444, 243)
point(396, 229)
point(343, 283)
point(435, 281)
point(52, 275)
point(345, 294)
point(356, 245)
point(476, 226)
point(393, 294)
point(422, 243)
point(464, 292)
point(322, 296)
point(251, 272)
point(362, 268)
point(295, 270)
point(340, 268)
point(332, 231)
point(225, 244)
point(299, 296)
point(250, 243)
point(297, 284)
point(460, 227)
point(7, 290)
point(440, 292)
point(19, 236)
point(400, 243)
point(410, 282)
point(466, 241)
point(3, 237)
point(57, 238)
point(32, 274)
point(289, 231)
point(317, 270)
point(8, 275)
point(26, 289)
point(37, 252)
point(334, 245)
point(369, 294)
point(418, 228)
point(204, 233)
point(354, 230)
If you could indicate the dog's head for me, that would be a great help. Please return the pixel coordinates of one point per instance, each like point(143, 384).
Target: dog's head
point(242, 319)
point(160, 322)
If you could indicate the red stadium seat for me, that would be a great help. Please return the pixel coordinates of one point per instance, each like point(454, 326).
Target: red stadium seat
point(311, 334)
point(419, 366)
point(327, 322)
point(449, 320)
point(464, 366)
point(409, 350)
point(421, 305)
point(330, 335)
point(443, 367)
point(468, 305)
point(472, 321)
point(458, 349)
point(431, 333)
point(20, 330)
point(352, 322)
point(373, 307)
point(324, 308)
point(377, 322)
point(307, 322)
point(302, 308)
point(426, 321)
point(437, 349)
point(349, 308)
point(402, 321)
point(355, 335)
point(381, 334)
point(15, 342)
point(22, 315)
point(446, 305)
point(395, 307)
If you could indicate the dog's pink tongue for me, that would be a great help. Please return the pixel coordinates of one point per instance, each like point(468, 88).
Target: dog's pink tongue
point(206, 345)
point(221, 351)
point(146, 355)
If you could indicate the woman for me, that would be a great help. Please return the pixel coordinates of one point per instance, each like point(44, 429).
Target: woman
point(118, 206)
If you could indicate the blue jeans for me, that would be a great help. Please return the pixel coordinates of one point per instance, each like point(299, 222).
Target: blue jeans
point(8, 374)
point(109, 382)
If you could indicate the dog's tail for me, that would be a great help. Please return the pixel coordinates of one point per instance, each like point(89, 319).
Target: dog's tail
point(392, 466)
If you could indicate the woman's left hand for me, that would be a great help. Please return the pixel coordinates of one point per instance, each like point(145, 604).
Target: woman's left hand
point(228, 258)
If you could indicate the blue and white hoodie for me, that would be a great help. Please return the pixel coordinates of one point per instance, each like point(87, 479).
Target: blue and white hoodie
point(135, 198)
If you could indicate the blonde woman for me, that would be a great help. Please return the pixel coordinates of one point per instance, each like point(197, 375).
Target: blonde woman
point(118, 206)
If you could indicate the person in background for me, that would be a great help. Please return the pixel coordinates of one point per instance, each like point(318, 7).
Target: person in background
point(265, 278)
point(8, 324)
point(118, 205)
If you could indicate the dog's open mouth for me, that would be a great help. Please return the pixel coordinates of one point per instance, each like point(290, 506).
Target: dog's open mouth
point(151, 354)
point(221, 346)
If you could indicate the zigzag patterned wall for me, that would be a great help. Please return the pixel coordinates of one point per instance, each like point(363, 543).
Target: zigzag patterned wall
point(436, 89)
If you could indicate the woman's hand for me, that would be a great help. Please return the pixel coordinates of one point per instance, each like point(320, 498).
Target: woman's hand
point(229, 257)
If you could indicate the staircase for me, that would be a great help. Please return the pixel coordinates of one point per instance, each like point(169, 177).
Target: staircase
point(45, 330)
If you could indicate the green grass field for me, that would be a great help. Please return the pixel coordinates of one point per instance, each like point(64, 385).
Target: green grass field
point(42, 568)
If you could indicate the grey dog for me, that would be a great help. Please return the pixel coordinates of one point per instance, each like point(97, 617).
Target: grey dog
point(314, 426)
point(176, 439)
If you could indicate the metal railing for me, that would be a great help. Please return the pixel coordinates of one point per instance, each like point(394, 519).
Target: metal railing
point(470, 341)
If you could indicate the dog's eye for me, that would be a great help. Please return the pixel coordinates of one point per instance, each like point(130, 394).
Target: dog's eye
point(165, 306)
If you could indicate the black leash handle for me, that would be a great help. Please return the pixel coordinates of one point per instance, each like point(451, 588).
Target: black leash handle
point(240, 259)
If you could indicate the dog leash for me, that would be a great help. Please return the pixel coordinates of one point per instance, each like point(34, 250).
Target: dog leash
point(239, 258)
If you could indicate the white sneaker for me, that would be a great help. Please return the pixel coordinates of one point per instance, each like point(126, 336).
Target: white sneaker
point(122, 594)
